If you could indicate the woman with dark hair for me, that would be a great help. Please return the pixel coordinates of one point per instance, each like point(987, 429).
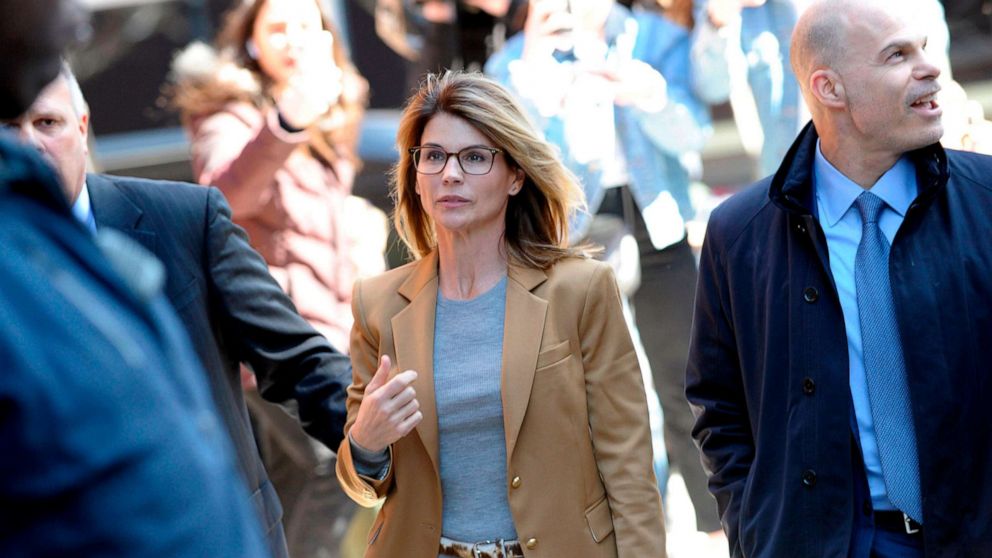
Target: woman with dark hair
point(518, 372)
point(273, 113)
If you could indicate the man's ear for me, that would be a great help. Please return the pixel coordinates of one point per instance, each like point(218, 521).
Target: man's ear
point(827, 88)
point(84, 132)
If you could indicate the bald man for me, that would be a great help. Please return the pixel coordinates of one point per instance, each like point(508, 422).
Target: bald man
point(837, 371)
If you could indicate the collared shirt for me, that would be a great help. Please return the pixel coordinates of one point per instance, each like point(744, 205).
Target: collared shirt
point(82, 210)
point(841, 222)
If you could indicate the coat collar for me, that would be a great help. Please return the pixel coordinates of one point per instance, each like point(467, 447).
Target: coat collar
point(792, 185)
point(425, 273)
point(523, 332)
point(413, 339)
point(113, 207)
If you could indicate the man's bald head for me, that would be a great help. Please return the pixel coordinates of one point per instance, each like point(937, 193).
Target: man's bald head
point(821, 36)
point(868, 80)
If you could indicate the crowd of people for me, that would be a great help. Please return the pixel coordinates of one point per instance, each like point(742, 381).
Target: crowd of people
point(227, 368)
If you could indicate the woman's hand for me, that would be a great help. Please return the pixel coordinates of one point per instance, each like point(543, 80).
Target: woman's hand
point(389, 409)
point(314, 86)
point(549, 26)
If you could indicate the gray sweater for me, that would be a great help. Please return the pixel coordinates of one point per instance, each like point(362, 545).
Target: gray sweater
point(468, 349)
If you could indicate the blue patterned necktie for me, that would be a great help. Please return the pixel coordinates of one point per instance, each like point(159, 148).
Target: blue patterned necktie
point(885, 369)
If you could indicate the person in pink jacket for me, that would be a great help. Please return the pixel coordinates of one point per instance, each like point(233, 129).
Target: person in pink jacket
point(273, 112)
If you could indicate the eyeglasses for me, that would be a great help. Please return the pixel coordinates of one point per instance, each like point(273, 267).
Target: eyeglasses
point(473, 160)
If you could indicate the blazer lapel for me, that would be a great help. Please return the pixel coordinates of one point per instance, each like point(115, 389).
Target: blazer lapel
point(522, 335)
point(413, 339)
point(112, 208)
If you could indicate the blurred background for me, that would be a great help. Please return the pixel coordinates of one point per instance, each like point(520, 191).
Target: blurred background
point(123, 69)
point(124, 72)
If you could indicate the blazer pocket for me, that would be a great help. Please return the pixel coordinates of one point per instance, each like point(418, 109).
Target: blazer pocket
point(553, 355)
point(600, 520)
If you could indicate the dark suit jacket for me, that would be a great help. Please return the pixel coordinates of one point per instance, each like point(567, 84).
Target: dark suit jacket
point(109, 443)
point(768, 372)
point(234, 312)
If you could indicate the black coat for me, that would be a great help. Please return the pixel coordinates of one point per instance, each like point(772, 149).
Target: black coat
point(234, 312)
point(768, 369)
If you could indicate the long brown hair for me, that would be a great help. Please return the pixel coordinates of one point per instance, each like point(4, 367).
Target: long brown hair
point(536, 232)
point(332, 137)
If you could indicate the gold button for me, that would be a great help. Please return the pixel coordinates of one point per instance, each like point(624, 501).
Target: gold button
point(531, 543)
point(515, 483)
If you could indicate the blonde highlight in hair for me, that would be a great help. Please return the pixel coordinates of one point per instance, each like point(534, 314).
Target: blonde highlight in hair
point(536, 233)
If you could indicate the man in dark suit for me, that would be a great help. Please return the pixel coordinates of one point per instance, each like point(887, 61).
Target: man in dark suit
point(109, 442)
point(839, 367)
point(233, 311)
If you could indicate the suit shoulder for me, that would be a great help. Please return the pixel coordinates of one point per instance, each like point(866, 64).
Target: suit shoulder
point(163, 192)
point(575, 269)
point(739, 212)
point(975, 168)
point(379, 286)
point(577, 277)
point(377, 299)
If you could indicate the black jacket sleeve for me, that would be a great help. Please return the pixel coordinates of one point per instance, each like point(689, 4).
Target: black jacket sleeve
point(291, 360)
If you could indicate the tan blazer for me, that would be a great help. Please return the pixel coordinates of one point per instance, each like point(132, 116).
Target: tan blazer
point(579, 462)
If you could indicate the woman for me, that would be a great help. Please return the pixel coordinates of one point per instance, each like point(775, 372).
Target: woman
point(273, 115)
point(523, 385)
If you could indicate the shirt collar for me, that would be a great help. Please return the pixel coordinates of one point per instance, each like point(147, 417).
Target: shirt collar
point(82, 210)
point(835, 193)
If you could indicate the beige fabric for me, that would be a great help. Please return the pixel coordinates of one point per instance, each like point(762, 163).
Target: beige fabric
point(579, 459)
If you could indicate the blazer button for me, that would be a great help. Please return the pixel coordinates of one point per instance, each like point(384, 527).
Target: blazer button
point(515, 483)
point(809, 386)
point(809, 478)
point(531, 544)
point(811, 295)
point(801, 228)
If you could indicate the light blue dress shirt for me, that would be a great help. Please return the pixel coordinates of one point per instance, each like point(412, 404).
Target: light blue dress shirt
point(82, 210)
point(841, 223)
